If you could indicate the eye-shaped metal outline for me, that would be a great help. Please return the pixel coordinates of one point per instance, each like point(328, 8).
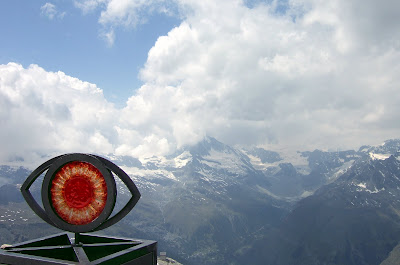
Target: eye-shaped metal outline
point(48, 206)
point(105, 167)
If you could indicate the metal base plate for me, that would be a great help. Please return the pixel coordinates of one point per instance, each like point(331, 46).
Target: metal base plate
point(90, 249)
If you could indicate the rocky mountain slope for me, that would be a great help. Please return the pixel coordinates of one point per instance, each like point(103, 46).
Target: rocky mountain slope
point(354, 220)
point(214, 204)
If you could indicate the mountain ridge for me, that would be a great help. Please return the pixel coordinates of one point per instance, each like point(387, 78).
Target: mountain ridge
point(211, 203)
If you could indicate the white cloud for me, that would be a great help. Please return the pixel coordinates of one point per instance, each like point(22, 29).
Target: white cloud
point(44, 112)
point(124, 13)
point(89, 5)
point(50, 11)
point(320, 75)
point(130, 13)
point(47, 113)
point(108, 36)
point(311, 77)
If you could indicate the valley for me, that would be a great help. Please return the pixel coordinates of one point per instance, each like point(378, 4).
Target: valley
point(215, 204)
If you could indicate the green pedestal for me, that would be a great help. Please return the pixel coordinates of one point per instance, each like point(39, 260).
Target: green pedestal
point(64, 248)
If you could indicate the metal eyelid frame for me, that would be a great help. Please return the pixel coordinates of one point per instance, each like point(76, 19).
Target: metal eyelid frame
point(105, 167)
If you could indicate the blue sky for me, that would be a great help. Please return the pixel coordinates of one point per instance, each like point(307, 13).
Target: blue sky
point(146, 77)
point(72, 43)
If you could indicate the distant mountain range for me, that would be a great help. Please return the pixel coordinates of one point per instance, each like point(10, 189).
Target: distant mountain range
point(214, 204)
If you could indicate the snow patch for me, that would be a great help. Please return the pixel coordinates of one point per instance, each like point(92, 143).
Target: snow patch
point(224, 160)
point(159, 161)
point(135, 173)
point(181, 160)
point(363, 187)
point(288, 156)
point(265, 191)
point(306, 194)
point(341, 170)
point(379, 156)
point(293, 157)
point(163, 162)
point(375, 190)
point(288, 199)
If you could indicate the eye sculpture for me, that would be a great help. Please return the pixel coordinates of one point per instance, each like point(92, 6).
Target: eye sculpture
point(79, 192)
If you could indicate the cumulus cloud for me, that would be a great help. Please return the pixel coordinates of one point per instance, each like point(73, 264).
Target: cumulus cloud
point(44, 112)
point(47, 113)
point(314, 76)
point(318, 74)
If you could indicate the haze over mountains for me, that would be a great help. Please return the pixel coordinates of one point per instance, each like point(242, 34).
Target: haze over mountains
point(211, 203)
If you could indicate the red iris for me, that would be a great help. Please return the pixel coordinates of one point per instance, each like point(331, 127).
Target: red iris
point(78, 193)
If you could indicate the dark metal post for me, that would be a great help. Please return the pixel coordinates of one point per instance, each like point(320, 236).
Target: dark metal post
point(77, 238)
